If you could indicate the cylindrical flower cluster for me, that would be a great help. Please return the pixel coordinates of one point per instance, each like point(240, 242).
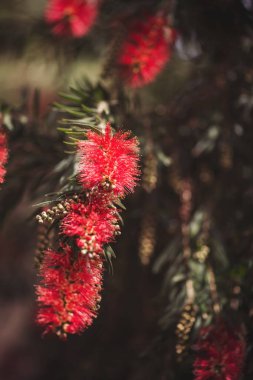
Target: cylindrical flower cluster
point(71, 17)
point(220, 353)
point(71, 278)
point(146, 50)
point(68, 294)
point(92, 226)
point(3, 155)
point(108, 163)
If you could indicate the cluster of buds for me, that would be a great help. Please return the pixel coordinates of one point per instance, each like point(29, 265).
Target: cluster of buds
point(107, 184)
point(147, 238)
point(42, 244)
point(226, 156)
point(92, 224)
point(49, 215)
point(184, 328)
point(150, 171)
point(89, 245)
point(201, 254)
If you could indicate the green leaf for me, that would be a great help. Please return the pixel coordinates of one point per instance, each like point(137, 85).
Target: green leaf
point(120, 204)
point(70, 97)
point(167, 254)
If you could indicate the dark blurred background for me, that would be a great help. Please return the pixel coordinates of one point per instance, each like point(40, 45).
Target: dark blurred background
point(195, 119)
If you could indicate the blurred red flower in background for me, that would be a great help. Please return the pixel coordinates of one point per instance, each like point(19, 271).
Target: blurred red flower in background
point(3, 155)
point(71, 17)
point(220, 353)
point(146, 50)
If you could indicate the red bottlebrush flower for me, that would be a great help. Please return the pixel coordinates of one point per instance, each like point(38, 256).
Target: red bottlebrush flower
point(68, 293)
point(3, 155)
point(221, 353)
point(145, 51)
point(109, 162)
point(92, 226)
point(71, 17)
